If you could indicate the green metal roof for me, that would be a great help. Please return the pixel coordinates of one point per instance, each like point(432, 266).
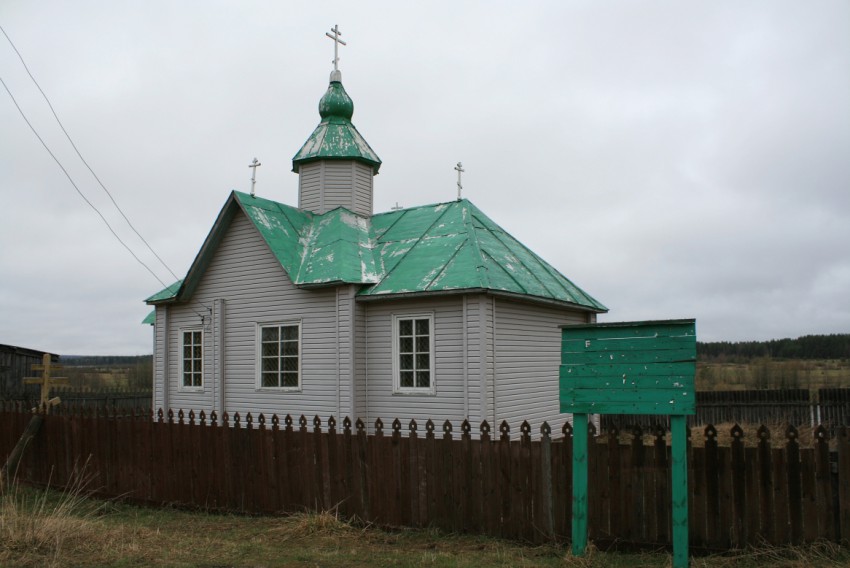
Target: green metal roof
point(166, 293)
point(454, 246)
point(437, 248)
point(335, 137)
point(150, 319)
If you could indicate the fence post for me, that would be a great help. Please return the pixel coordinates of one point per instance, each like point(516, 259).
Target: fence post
point(844, 485)
point(546, 504)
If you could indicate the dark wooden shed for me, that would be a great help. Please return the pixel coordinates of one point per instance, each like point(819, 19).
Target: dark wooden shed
point(15, 364)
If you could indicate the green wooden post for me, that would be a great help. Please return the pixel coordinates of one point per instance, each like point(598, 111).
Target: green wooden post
point(679, 475)
point(579, 483)
point(630, 368)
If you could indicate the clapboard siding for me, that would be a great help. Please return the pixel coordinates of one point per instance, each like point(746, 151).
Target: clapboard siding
point(328, 184)
point(450, 399)
point(363, 192)
point(255, 289)
point(310, 186)
point(159, 335)
point(527, 356)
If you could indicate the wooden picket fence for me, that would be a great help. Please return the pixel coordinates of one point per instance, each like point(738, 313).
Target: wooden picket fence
point(485, 482)
point(827, 406)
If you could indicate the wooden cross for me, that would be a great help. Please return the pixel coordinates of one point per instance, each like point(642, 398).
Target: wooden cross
point(46, 381)
point(337, 41)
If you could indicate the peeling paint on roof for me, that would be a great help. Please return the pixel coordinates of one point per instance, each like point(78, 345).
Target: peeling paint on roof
point(336, 137)
point(429, 249)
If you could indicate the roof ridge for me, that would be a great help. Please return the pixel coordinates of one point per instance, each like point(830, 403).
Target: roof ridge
point(472, 236)
point(553, 272)
point(498, 236)
point(418, 239)
point(447, 263)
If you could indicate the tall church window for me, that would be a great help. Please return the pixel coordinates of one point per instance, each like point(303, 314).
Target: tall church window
point(413, 354)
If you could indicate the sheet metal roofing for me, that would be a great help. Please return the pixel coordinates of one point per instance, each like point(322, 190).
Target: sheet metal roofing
point(440, 248)
point(335, 137)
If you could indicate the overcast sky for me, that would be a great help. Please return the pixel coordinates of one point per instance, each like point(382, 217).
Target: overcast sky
point(673, 159)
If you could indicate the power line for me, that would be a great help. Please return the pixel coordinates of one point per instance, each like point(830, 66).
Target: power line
point(74, 146)
point(90, 204)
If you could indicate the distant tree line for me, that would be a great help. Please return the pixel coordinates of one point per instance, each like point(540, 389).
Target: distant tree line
point(104, 360)
point(833, 346)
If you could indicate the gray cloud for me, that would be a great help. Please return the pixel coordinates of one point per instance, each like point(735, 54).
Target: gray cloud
point(674, 160)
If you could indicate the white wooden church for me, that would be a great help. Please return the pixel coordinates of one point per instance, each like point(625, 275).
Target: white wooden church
point(328, 308)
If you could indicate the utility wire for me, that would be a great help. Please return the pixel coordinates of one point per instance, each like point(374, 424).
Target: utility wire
point(58, 163)
point(68, 136)
point(90, 204)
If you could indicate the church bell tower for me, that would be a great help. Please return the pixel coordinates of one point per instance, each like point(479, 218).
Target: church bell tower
point(335, 166)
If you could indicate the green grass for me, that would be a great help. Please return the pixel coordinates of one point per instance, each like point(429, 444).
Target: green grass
point(48, 528)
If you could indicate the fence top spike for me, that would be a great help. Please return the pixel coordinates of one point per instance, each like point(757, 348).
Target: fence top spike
point(465, 427)
point(763, 432)
point(331, 423)
point(710, 432)
point(429, 425)
point(346, 423)
point(485, 427)
point(412, 425)
point(737, 432)
point(791, 432)
point(821, 433)
point(317, 422)
point(302, 421)
point(545, 429)
point(504, 428)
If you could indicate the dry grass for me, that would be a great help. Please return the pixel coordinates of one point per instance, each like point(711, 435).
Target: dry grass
point(764, 373)
point(39, 526)
point(48, 528)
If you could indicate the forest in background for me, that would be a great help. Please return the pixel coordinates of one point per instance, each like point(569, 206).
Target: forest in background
point(833, 346)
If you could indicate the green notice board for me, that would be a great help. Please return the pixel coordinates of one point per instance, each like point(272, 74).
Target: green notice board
point(629, 368)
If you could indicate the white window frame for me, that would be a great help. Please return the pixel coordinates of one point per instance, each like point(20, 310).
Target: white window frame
point(258, 360)
point(181, 385)
point(431, 389)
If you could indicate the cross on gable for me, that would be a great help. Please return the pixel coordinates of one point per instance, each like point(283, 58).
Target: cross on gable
point(337, 41)
point(459, 169)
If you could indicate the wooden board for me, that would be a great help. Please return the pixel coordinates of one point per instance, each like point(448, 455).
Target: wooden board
point(629, 368)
